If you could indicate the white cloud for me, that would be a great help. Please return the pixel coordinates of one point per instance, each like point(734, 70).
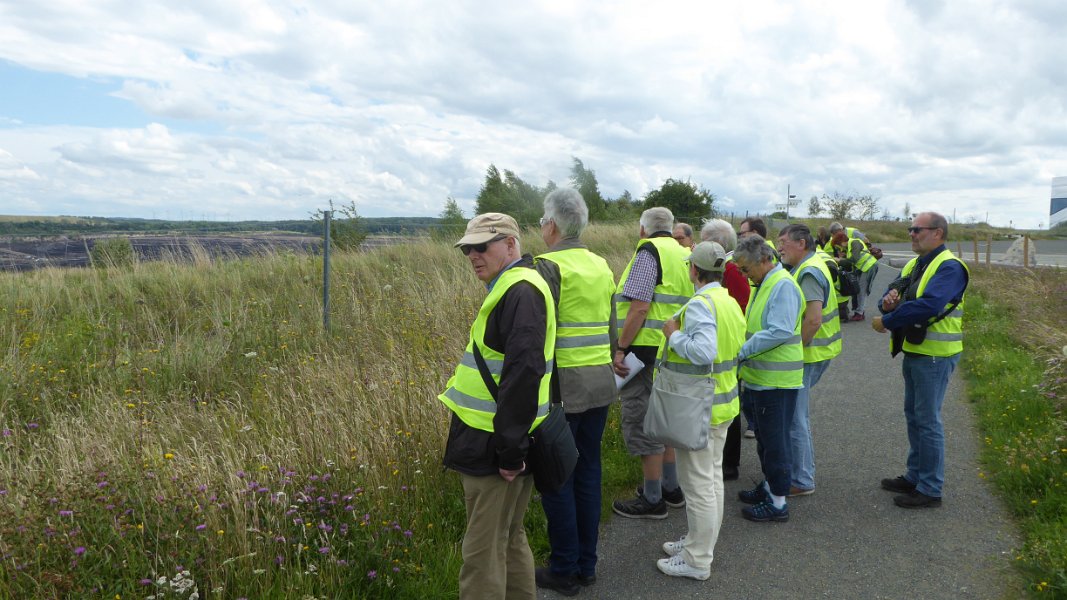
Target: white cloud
point(272, 108)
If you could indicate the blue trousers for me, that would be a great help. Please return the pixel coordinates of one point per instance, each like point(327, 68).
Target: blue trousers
point(925, 381)
point(573, 513)
point(773, 412)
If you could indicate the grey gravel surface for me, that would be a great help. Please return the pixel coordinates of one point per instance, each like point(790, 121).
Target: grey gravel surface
point(848, 539)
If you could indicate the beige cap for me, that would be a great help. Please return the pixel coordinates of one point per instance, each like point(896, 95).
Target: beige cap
point(486, 227)
point(709, 256)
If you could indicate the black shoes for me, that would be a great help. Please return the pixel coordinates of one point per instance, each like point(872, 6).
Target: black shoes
point(640, 508)
point(730, 473)
point(568, 586)
point(756, 495)
point(916, 499)
point(898, 485)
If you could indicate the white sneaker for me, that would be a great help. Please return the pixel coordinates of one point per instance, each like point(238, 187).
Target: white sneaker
point(676, 566)
point(674, 548)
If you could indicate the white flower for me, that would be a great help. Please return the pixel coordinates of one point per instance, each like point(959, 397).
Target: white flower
point(251, 354)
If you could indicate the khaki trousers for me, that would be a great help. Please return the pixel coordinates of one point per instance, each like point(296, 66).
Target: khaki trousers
point(497, 561)
point(700, 475)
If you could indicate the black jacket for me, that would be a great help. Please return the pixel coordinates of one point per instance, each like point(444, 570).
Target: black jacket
point(515, 328)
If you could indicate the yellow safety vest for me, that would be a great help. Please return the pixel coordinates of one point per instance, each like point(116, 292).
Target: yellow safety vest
point(868, 259)
point(466, 393)
point(827, 341)
point(783, 365)
point(586, 287)
point(944, 338)
point(671, 293)
point(729, 336)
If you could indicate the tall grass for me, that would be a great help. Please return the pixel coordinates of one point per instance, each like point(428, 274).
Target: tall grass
point(177, 426)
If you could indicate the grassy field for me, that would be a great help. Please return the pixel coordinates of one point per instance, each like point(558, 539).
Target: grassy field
point(180, 426)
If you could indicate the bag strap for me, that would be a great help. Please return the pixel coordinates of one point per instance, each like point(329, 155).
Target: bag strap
point(490, 383)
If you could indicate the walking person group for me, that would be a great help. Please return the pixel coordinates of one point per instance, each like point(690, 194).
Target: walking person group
point(557, 331)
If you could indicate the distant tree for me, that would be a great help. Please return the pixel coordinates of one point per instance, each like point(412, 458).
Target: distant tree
point(838, 206)
point(868, 207)
point(347, 231)
point(584, 180)
point(814, 208)
point(907, 211)
point(494, 195)
point(683, 198)
point(112, 252)
point(453, 222)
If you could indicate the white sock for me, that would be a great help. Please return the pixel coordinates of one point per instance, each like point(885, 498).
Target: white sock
point(778, 501)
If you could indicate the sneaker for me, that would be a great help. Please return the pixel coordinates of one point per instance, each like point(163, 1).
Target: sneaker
point(730, 473)
point(586, 580)
point(674, 498)
point(765, 511)
point(898, 485)
point(754, 496)
point(858, 317)
point(676, 566)
point(916, 499)
point(795, 491)
point(640, 508)
point(545, 578)
point(750, 434)
point(674, 548)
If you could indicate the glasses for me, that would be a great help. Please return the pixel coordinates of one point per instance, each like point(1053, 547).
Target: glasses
point(543, 221)
point(466, 249)
point(918, 229)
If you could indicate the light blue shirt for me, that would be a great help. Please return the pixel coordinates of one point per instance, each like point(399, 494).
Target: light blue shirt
point(784, 305)
point(489, 286)
point(815, 274)
point(698, 341)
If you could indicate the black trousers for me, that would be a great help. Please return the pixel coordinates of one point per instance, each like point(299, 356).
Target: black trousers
point(731, 454)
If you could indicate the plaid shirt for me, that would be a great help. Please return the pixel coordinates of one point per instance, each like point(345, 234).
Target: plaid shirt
point(641, 283)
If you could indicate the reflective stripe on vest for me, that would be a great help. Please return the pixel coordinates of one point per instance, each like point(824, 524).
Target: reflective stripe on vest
point(729, 337)
point(671, 293)
point(585, 294)
point(466, 393)
point(827, 341)
point(783, 365)
point(944, 338)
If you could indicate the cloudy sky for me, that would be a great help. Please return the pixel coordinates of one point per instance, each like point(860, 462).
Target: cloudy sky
point(266, 109)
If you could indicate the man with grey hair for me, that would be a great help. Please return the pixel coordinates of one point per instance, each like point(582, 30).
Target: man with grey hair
point(722, 233)
point(820, 333)
point(654, 286)
point(772, 367)
point(683, 234)
point(582, 286)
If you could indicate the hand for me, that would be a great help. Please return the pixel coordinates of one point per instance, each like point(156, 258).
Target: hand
point(616, 363)
point(669, 327)
point(891, 301)
point(876, 324)
point(510, 476)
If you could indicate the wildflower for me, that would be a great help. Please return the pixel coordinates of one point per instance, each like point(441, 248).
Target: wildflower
point(220, 532)
point(7, 433)
point(169, 456)
point(251, 354)
point(32, 425)
point(66, 513)
point(102, 485)
point(201, 527)
point(324, 550)
point(372, 574)
point(408, 533)
point(79, 550)
point(146, 582)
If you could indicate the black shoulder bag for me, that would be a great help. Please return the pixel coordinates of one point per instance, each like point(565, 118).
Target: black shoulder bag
point(552, 454)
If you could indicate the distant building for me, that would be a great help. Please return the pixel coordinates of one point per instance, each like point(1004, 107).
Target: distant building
point(1057, 208)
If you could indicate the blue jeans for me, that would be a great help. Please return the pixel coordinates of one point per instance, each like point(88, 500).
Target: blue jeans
point(573, 513)
point(773, 411)
point(925, 381)
point(803, 470)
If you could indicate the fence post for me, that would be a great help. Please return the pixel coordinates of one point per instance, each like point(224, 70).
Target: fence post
point(959, 248)
point(1026, 250)
point(988, 248)
point(327, 215)
point(975, 247)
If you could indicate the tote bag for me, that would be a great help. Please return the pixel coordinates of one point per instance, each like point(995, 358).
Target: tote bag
point(679, 409)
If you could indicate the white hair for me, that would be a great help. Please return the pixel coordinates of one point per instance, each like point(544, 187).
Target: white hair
point(656, 219)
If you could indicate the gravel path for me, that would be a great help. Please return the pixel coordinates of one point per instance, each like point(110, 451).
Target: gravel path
point(847, 540)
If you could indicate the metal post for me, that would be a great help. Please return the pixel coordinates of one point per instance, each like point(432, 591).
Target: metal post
point(787, 186)
point(988, 248)
point(975, 247)
point(327, 216)
point(1026, 250)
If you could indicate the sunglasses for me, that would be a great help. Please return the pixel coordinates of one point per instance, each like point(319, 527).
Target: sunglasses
point(466, 249)
point(918, 229)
